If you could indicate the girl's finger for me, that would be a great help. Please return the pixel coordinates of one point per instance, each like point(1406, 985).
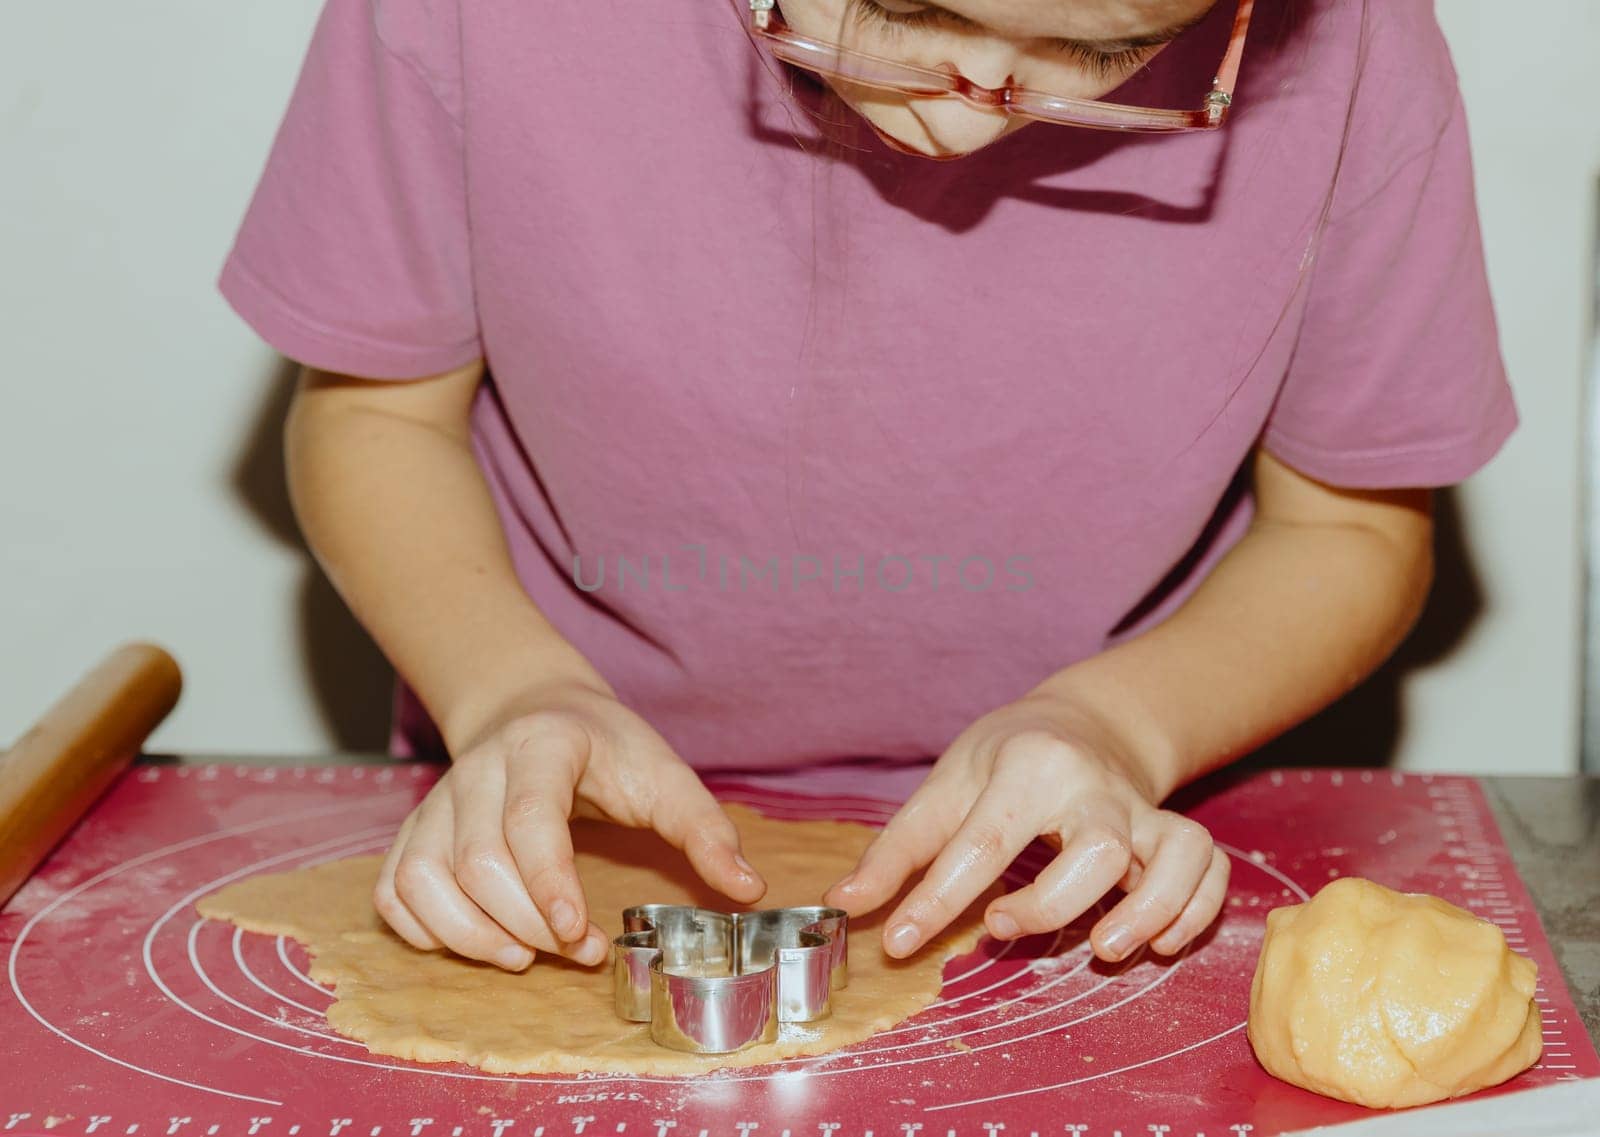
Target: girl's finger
point(484, 864)
point(1176, 853)
point(690, 819)
point(1202, 908)
point(536, 817)
point(994, 831)
point(909, 841)
point(388, 903)
point(1094, 856)
point(426, 882)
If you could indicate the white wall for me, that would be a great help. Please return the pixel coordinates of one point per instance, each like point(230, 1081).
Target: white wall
point(138, 432)
point(137, 453)
point(1531, 79)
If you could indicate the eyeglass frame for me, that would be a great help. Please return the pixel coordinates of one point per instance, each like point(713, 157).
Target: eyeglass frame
point(767, 24)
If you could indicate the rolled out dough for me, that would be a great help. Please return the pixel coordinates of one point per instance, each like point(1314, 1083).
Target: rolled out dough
point(1390, 999)
point(557, 1017)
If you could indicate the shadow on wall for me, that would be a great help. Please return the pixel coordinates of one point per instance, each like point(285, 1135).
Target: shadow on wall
point(1365, 727)
point(350, 681)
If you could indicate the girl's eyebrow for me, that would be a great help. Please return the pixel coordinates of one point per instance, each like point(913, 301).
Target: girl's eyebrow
point(1104, 46)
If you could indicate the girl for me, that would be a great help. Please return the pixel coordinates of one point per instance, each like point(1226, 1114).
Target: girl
point(665, 407)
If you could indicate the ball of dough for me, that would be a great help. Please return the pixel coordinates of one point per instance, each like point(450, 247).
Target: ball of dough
point(1390, 999)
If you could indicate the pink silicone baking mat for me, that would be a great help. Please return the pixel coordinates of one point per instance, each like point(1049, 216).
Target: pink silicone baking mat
point(126, 1015)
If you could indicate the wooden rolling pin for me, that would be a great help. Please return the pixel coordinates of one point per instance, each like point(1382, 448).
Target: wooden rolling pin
point(58, 769)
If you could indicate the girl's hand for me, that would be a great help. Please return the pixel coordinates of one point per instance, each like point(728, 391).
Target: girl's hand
point(484, 866)
point(1042, 766)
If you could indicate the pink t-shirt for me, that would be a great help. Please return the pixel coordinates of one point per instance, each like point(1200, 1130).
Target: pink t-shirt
point(821, 455)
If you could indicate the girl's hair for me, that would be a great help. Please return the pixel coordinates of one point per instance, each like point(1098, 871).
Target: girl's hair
point(822, 124)
point(825, 126)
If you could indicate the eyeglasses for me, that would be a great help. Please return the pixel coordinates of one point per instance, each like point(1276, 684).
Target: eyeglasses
point(840, 62)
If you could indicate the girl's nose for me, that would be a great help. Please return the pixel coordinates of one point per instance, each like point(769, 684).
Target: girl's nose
point(955, 125)
point(986, 61)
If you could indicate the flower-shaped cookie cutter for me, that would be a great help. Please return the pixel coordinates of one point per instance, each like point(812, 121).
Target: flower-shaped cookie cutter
point(712, 982)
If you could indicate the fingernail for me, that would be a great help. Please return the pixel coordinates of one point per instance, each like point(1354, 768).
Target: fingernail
point(514, 958)
point(594, 950)
point(1003, 926)
point(1117, 941)
point(846, 883)
point(903, 939)
point(564, 917)
point(744, 866)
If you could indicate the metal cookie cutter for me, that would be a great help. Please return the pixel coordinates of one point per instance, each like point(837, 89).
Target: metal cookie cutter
point(713, 982)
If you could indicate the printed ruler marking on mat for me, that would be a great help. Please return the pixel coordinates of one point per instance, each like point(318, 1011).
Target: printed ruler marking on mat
point(591, 1125)
point(1458, 811)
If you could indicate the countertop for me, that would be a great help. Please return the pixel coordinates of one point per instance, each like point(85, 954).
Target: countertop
point(1550, 826)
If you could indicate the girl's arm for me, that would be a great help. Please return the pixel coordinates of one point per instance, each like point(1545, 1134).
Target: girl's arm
point(392, 502)
point(393, 505)
point(1319, 591)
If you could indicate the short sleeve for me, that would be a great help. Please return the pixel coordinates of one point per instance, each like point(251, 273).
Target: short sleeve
point(354, 253)
point(1396, 377)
